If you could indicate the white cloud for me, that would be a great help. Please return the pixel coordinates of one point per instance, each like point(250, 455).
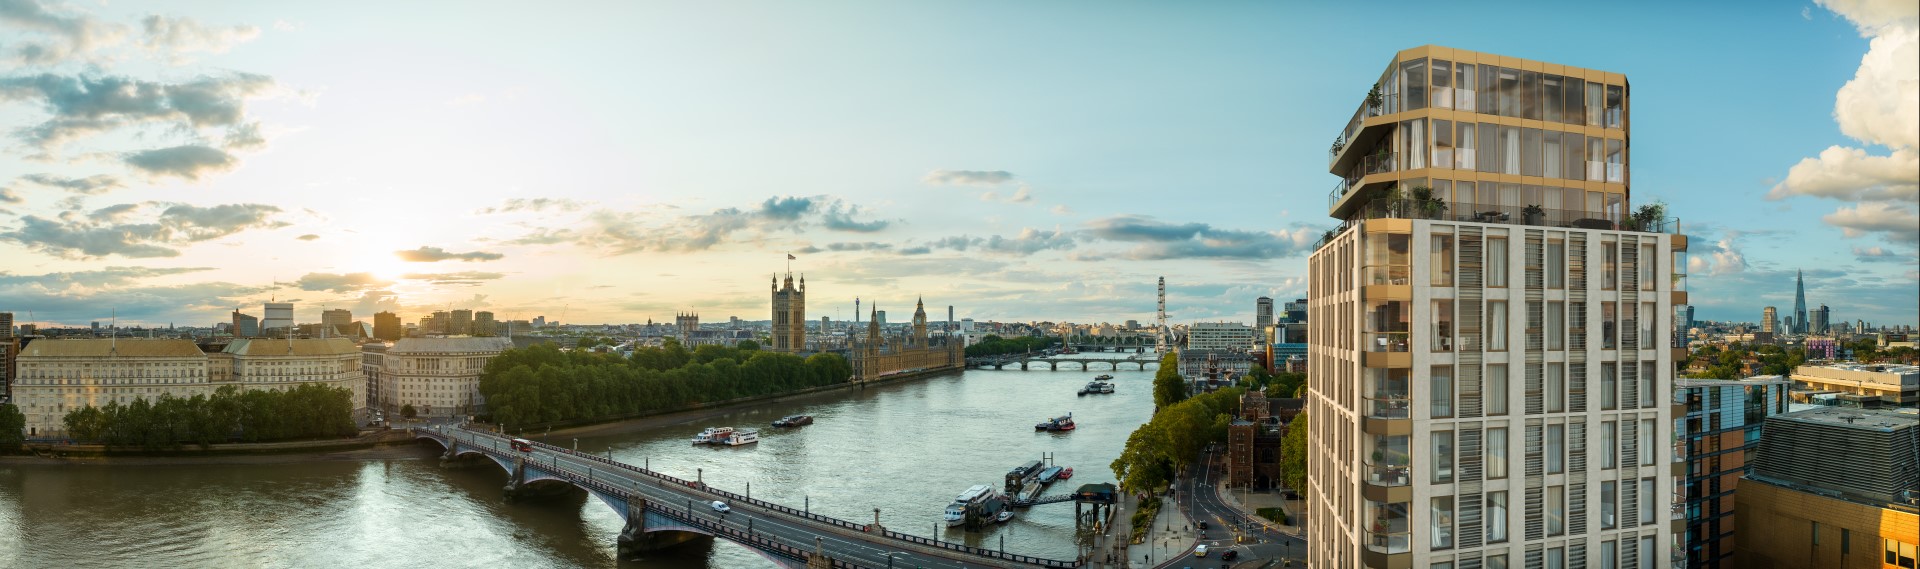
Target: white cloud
point(173, 38)
point(967, 177)
point(1721, 258)
point(1900, 224)
point(1844, 173)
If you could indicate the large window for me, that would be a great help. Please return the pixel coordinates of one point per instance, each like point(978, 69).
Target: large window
point(1556, 263)
point(1647, 495)
point(1609, 386)
point(1648, 389)
point(1556, 510)
point(1415, 79)
point(1442, 512)
point(1609, 265)
point(1442, 273)
point(1509, 94)
point(1594, 107)
point(1442, 79)
point(1440, 382)
point(1496, 453)
point(1442, 450)
point(1556, 386)
point(1647, 262)
point(1496, 517)
point(1576, 111)
point(1464, 158)
point(1464, 81)
point(1496, 261)
point(1497, 325)
point(1442, 333)
point(1609, 326)
point(1554, 96)
point(1509, 149)
point(1530, 95)
point(1573, 149)
point(1609, 503)
point(1556, 321)
point(1616, 102)
point(1530, 152)
point(1556, 448)
point(1647, 449)
point(1442, 142)
point(1497, 389)
point(1551, 155)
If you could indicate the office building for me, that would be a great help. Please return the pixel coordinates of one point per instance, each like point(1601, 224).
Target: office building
point(1770, 320)
point(1832, 487)
point(278, 319)
point(1719, 431)
point(1858, 385)
point(460, 323)
point(1822, 321)
point(245, 325)
point(484, 324)
point(438, 376)
point(1489, 308)
point(1800, 325)
point(1219, 336)
point(9, 347)
point(386, 326)
point(336, 319)
point(1263, 313)
point(790, 316)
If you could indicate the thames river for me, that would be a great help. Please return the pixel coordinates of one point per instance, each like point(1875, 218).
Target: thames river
point(906, 449)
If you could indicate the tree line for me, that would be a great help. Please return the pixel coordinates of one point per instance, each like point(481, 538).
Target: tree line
point(1173, 438)
point(994, 345)
point(13, 428)
point(301, 412)
point(541, 384)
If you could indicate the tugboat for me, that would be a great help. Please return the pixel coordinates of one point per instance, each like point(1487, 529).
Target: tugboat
point(1056, 424)
point(794, 421)
point(1066, 473)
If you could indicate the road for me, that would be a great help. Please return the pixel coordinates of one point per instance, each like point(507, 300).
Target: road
point(1199, 498)
point(839, 542)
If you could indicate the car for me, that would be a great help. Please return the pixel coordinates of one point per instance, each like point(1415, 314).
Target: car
point(1200, 550)
point(721, 507)
point(1228, 555)
point(1203, 525)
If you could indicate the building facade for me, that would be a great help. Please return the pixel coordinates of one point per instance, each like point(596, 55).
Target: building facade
point(386, 326)
point(1490, 368)
point(879, 355)
point(439, 377)
point(279, 316)
point(1219, 336)
point(336, 318)
point(790, 316)
point(460, 322)
point(1832, 488)
point(245, 325)
point(1262, 313)
point(1859, 385)
point(1718, 434)
point(1770, 320)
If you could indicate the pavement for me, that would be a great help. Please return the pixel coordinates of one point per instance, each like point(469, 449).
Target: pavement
point(1230, 526)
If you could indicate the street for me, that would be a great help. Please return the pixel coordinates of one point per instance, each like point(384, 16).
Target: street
point(1198, 497)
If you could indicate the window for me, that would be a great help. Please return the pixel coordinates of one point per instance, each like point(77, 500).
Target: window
point(1464, 158)
point(1496, 261)
point(1609, 386)
point(1557, 558)
point(1609, 503)
point(1497, 389)
point(1609, 326)
point(1609, 555)
point(1507, 103)
point(1442, 140)
point(1647, 384)
point(1497, 325)
point(1646, 443)
point(1616, 165)
point(1441, 381)
point(1609, 444)
point(1496, 518)
point(1846, 541)
point(1489, 152)
point(1509, 149)
point(1442, 260)
point(1594, 104)
point(1573, 160)
point(1609, 266)
point(1442, 332)
point(1442, 513)
point(1647, 552)
point(1415, 73)
point(1556, 322)
point(1899, 553)
point(1497, 454)
point(1530, 152)
point(1556, 510)
point(1556, 449)
point(1442, 447)
point(1464, 81)
point(1576, 101)
point(1616, 100)
point(1647, 264)
point(1551, 156)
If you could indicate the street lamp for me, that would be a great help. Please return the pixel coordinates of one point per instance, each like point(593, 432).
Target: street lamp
point(576, 444)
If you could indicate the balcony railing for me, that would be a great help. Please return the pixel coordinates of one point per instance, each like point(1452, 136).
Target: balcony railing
point(1386, 473)
point(1389, 541)
point(1392, 342)
point(1511, 215)
point(1389, 406)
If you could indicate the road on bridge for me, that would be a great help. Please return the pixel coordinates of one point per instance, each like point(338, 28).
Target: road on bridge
point(840, 543)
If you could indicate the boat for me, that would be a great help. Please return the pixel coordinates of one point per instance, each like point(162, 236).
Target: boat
point(1084, 391)
point(980, 497)
point(712, 435)
point(740, 437)
point(1066, 473)
point(1061, 423)
point(1047, 476)
point(1103, 377)
point(1106, 388)
point(1005, 515)
point(956, 514)
point(794, 421)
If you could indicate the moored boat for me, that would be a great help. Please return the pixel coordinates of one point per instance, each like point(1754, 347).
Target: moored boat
point(1103, 377)
point(794, 421)
point(1066, 473)
point(1004, 516)
point(1048, 475)
point(712, 435)
point(1061, 423)
point(740, 437)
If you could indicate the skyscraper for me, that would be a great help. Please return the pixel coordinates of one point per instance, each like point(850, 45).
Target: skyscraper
point(1822, 321)
point(1262, 313)
point(245, 325)
point(1770, 320)
point(1514, 409)
point(386, 326)
point(484, 325)
point(790, 315)
point(336, 319)
point(1800, 325)
point(279, 316)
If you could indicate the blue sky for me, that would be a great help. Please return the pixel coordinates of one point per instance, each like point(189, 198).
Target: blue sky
point(622, 161)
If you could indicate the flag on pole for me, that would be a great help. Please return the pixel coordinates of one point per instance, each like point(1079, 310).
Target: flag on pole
point(790, 257)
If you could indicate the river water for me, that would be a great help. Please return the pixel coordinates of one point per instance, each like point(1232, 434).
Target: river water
point(906, 449)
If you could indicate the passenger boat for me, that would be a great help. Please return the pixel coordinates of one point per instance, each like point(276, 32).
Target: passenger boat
point(979, 496)
point(712, 435)
point(794, 421)
point(1066, 473)
point(1103, 377)
point(740, 437)
point(1047, 476)
point(1106, 388)
point(1061, 423)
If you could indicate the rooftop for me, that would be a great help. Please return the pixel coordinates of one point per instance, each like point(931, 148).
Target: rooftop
point(301, 347)
point(451, 344)
point(104, 347)
point(1879, 420)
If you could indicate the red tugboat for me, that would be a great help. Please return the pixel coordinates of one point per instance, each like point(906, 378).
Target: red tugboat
point(1066, 473)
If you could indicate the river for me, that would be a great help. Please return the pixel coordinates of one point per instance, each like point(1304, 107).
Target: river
point(906, 449)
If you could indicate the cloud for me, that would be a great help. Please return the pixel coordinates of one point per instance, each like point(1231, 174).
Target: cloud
point(76, 35)
point(308, 237)
point(8, 196)
point(1720, 258)
point(847, 246)
point(74, 298)
point(435, 254)
point(455, 278)
point(967, 177)
point(346, 282)
point(787, 208)
point(107, 277)
point(1022, 195)
point(90, 185)
point(1899, 224)
point(1061, 209)
point(187, 162)
point(1843, 173)
point(1027, 242)
point(1159, 240)
point(80, 106)
point(534, 204)
point(102, 233)
point(467, 100)
point(839, 217)
point(1881, 255)
point(173, 38)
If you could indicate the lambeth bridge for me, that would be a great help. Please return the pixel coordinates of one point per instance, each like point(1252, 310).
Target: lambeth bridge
point(1031, 361)
point(662, 511)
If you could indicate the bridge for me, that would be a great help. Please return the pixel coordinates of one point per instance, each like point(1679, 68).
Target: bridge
point(1029, 361)
point(662, 511)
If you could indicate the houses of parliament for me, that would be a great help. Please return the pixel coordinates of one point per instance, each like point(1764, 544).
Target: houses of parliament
point(876, 354)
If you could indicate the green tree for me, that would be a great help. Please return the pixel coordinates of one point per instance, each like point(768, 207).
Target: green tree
point(408, 411)
point(748, 345)
point(1168, 387)
point(1293, 454)
point(13, 428)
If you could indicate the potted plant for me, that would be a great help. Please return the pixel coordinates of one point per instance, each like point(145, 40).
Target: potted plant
point(1429, 206)
point(1649, 216)
point(1533, 214)
point(1337, 146)
point(1374, 99)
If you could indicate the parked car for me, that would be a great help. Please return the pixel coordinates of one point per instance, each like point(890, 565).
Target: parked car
point(721, 507)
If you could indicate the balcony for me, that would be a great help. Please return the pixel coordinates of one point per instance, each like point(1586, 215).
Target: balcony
point(1388, 540)
point(1376, 163)
point(1383, 208)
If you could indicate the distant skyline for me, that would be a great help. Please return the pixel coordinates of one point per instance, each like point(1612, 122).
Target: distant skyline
point(1021, 161)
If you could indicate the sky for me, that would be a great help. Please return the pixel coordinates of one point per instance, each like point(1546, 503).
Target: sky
point(168, 162)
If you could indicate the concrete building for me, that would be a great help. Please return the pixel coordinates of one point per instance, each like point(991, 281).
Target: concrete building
point(373, 363)
point(386, 326)
point(245, 325)
point(790, 316)
point(1822, 320)
point(438, 376)
point(1770, 320)
point(336, 319)
point(59, 375)
point(460, 322)
point(1468, 351)
point(278, 320)
point(1832, 488)
point(484, 324)
point(1717, 435)
point(1219, 336)
point(1262, 313)
point(1858, 385)
point(686, 324)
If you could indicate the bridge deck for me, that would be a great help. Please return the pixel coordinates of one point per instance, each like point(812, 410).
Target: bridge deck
point(771, 528)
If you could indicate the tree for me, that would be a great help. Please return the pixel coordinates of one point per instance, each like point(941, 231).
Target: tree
point(1168, 387)
point(13, 428)
point(1293, 454)
point(408, 411)
point(748, 345)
